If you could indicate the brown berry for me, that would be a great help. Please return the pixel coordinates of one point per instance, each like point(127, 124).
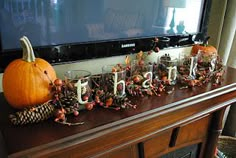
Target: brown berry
point(156, 39)
point(89, 106)
point(85, 98)
point(157, 49)
point(136, 79)
point(109, 102)
point(60, 114)
point(60, 117)
point(97, 99)
point(76, 113)
point(114, 69)
point(58, 82)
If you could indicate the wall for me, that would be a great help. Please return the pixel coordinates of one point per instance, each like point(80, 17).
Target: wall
point(95, 65)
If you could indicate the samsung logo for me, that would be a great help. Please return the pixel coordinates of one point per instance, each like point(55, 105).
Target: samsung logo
point(128, 45)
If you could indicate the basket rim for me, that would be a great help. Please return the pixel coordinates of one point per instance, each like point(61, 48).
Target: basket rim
point(227, 145)
point(227, 137)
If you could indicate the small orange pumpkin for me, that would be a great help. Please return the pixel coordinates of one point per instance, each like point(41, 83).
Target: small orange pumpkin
point(26, 81)
point(207, 49)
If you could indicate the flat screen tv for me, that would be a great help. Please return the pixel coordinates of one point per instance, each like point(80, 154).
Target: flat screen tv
point(71, 30)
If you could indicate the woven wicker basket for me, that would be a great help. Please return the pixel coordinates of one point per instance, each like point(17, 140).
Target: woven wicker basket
point(227, 145)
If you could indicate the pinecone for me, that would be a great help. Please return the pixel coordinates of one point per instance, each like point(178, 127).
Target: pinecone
point(32, 115)
point(69, 103)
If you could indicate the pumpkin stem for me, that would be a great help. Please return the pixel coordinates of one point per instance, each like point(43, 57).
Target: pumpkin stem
point(205, 41)
point(28, 53)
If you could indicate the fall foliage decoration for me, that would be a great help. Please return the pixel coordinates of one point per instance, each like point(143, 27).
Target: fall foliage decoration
point(30, 84)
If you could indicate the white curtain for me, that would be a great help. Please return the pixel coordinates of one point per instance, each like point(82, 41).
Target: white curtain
point(222, 30)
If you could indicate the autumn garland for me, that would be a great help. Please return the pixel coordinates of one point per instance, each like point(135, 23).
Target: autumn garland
point(62, 105)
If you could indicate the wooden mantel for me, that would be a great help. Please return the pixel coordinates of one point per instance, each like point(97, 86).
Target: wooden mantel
point(158, 127)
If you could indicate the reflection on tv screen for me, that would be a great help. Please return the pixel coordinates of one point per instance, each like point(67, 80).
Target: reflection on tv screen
point(53, 22)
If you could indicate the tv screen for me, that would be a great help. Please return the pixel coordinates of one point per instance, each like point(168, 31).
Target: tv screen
point(49, 23)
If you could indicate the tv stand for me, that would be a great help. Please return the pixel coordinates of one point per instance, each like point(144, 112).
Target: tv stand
point(185, 123)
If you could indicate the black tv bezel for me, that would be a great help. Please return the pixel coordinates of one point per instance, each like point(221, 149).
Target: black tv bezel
point(74, 52)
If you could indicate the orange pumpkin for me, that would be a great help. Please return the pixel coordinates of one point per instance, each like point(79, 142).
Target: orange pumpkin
point(26, 81)
point(207, 49)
